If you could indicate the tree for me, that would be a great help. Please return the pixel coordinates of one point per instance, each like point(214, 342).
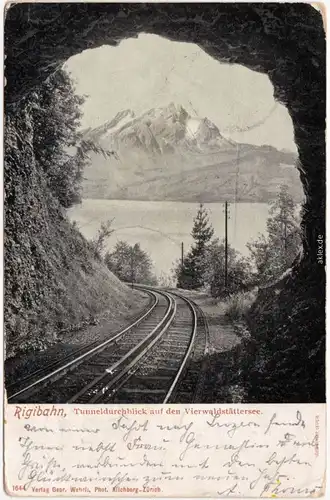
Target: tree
point(165, 280)
point(239, 270)
point(274, 253)
point(97, 244)
point(131, 263)
point(59, 146)
point(191, 274)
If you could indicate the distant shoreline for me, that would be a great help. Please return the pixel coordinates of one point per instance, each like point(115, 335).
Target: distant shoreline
point(145, 200)
point(162, 226)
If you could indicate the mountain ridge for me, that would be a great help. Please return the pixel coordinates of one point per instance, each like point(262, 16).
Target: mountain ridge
point(166, 154)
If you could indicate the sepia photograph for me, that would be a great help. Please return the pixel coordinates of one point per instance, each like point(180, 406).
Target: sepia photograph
point(164, 202)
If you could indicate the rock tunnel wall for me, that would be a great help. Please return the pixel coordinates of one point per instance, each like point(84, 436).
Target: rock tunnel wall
point(285, 41)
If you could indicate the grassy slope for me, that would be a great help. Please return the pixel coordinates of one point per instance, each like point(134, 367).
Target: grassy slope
point(52, 282)
point(284, 341)
point(65, 287)
point(226, 354)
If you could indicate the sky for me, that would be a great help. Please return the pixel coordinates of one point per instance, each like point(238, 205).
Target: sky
point(151, 71)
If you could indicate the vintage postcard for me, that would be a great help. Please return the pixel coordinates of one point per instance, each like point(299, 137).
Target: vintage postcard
point(164, 177)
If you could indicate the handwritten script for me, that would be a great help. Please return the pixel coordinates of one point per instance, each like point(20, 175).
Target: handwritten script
point(158, 451)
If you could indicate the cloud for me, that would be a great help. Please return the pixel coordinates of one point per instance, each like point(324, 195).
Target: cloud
point(151, 71)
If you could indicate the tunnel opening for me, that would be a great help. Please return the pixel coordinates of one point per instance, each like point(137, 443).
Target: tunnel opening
point(284, 41)
point(246, 35)
point(185, 129)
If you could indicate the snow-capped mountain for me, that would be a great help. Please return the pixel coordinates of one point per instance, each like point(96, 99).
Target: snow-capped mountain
point(166, 154)
point(159, 131)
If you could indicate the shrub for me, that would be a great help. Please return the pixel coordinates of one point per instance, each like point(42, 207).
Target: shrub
point(238, 305)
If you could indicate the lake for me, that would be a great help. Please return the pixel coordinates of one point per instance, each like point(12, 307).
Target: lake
point(161, 226)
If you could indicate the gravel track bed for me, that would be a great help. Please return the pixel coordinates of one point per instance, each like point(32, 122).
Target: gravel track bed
point(64, 388)
point(27, 363)
point(152, 379)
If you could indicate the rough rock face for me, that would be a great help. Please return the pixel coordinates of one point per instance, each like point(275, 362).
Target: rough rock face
point(285, 41)
point(52, 281)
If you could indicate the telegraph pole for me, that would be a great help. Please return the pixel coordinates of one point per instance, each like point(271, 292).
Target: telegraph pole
point(226, 245)
point(182, 255)
point(236, 189)
point(132, 266)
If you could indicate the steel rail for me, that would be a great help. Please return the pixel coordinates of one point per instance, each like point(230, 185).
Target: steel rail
point(61, 360)
point(71, 364)
point(196, 311)
point(194, 307)
point(170, 314)
point(201, 379)
point(188, 352)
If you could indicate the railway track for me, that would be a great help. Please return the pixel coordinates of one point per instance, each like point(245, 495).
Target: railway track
point(156, 359)
point(23, 383)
